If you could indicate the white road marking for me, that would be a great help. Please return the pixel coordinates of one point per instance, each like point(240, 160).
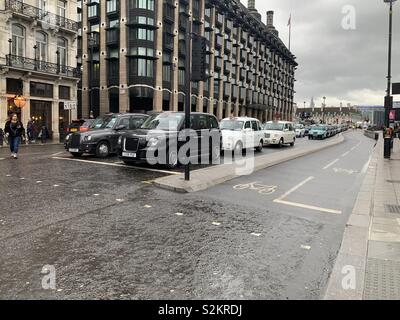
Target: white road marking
point(56, 154)
point(345, 154)
point(119, 164)
point(256, 234)
point(330, 164)
point(295, 188)
point(2, 159)
point(147, 206)
point(300, 205)
point(39, 181)
point(180, 214)
point(366, 166)
point(305, 206)
point(347, 171)
point(305, 247)
point(216, 223)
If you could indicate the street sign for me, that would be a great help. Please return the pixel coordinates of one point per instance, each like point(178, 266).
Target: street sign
point(396, 88)
point(70, 105)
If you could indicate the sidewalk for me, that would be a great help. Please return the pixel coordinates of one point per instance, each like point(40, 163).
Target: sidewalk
point(371, 242)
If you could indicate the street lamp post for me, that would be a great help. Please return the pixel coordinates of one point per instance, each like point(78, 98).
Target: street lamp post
point(388, 102)
point(323, 110)
point(389, 98)
point(91, 45)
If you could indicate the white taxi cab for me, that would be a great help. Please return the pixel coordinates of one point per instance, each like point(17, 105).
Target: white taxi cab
point(241, 133)
point(279, 133)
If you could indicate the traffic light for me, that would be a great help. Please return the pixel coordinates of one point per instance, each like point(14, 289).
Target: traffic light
point(199, 71)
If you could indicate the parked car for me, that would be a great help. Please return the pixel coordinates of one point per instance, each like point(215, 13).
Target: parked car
point(239, 134)
point(159, 141)
point(81, 125)
point(318, 132)
point(102, 137)
point(279, 133)
point(300, 131)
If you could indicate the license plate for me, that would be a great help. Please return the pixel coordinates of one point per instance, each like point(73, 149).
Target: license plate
point(74, 150)
point(74, 130)
point(129, 155)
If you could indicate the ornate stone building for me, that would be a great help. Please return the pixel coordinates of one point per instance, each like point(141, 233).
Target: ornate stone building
point(133, 58)
point(38, 58)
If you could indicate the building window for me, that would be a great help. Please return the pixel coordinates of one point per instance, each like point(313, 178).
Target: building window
point(18, 40)
point(167, 74)
point(62, 48)
point(93, 11)
point(14, 86)
point(142, 68)
point(142, 4)
point(39, 89)
point(41, 46)
point(64, 93)
point(141, 51)
point(112, 6)
point(143, 34)
point(41, 4)
point(61, 8)
point(181, 77)
point(142, 20)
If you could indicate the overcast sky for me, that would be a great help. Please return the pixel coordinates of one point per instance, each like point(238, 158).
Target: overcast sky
point(348, 66)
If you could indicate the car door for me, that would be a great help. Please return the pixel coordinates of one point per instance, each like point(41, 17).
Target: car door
point(256, 135)
point(247, 135)
point(114, 136)
point(215, 133)
point(203, 131)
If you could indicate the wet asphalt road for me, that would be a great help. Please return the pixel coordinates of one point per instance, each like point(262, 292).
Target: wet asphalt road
point(110, 234)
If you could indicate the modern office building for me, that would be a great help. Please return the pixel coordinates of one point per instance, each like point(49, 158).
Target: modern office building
point(134, 51)
point(38, 54)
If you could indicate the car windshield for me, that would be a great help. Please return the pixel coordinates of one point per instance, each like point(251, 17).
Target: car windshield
point(164, 121)
point(299, 126)
point(319, 128)
point(106, 122)
point(233, 125)
point(274, 126)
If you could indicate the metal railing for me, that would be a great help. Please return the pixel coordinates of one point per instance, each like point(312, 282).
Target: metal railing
point(41, 66)
point(43, 16)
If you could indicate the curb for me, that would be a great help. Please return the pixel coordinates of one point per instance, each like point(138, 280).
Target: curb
point(219, 174)
point(353, 252)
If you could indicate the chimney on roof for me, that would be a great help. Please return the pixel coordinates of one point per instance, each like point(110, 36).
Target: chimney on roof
point(252, 9)
point(270, 18)
point(252, 5)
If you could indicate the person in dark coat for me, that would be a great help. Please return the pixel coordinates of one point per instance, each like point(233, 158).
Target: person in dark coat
point(15, 132)
point(44, 134)
point(1, 137)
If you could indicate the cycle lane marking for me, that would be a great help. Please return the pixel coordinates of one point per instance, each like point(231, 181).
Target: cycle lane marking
point(281, 200)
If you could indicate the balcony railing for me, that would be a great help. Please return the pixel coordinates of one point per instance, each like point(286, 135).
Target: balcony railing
point(45, 17)
point(42, 66)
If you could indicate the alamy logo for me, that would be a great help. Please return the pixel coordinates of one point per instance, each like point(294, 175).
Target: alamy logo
point(349, 279)
point(349, 21)
point(49, 278)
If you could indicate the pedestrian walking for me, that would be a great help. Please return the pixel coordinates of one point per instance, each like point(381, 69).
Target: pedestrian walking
point(15, 132)
point(30, 131)
point(1, 137)
point(44, 134)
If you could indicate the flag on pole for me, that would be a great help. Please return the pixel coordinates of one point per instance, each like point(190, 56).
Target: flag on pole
point(290, 29)
point(290, 20)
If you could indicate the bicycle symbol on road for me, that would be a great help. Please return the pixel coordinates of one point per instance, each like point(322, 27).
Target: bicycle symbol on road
point(257, 186)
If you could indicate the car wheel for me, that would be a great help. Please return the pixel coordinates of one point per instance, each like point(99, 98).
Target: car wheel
point(103, 149)
point(280, 145)
point(260, 146)
point(76, 154)
point(292, 144)
point(172, 161)
point(238, 149)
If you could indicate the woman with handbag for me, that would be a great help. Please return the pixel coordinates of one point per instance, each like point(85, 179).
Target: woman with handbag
point(15, 132)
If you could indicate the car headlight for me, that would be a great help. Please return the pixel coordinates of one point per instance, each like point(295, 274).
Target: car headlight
point(120, 140)
point(88, 138)
point(68, 137)
point(153, 142)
